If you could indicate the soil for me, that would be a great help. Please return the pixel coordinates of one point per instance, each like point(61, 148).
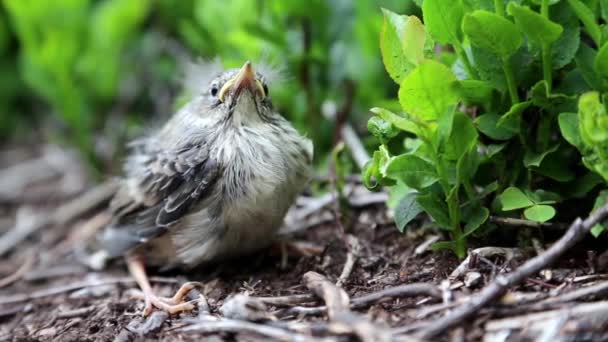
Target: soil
point(387, 258)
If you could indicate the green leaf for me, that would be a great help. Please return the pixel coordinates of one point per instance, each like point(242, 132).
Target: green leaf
point(542, 97)
point(475, 91)
point(565, 48)
point(601, 61)
point(568, 125)
point(414, 171)
point(593, 119)
point(474, 218)
point(407, 210)
point(583, 185)
point(553, 167)
point(540, 30)
point(402, 44)
point(443, 20)
point(467, 165)
point(533, 158)
point(511, 120)
point(487, 124)
point(493, 149)
point(436, 208)
point(513, 198)
point(374, 171)
point(600, 201)
point(492, 32)
point(585, 59)
point(398, 121)
point(539, 213)
point(427, 92)
point(463, 137)
point(381, 129)
point(489, 67)
point(585, 14)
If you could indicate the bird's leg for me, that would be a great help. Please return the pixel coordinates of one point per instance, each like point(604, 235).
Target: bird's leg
point(171, 305)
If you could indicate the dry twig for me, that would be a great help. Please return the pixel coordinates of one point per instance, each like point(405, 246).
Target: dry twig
point(354, 248)
point(578, 229)
point(20, 272)
point(337, 302)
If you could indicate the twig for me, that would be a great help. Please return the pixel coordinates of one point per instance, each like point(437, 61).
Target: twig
point(508, 253)
point(236, 326)
point(407, 290)
point(23, 297)
point(578, 229)
point(515, 222)
point(76, 312)
point(283, 301)
point(597, 289)
point(337, 302)
point(354, 248)
point(536, 323)
point(20, 272)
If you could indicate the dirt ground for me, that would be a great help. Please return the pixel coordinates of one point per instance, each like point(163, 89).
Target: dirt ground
point(47, 294)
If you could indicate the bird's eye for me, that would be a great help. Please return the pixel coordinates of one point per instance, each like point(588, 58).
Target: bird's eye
point(214, 91)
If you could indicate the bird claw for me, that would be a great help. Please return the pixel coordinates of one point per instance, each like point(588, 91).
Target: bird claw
point(171, 305)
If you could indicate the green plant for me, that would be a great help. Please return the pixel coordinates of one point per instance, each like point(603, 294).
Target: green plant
point(484, 88)
point(71, 55)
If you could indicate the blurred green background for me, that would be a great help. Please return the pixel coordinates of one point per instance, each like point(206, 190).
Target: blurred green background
point(93, 74)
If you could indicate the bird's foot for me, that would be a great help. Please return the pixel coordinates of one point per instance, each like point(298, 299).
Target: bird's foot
point(171, 305)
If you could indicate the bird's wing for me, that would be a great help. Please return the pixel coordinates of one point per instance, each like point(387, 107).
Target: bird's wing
point(160, 188)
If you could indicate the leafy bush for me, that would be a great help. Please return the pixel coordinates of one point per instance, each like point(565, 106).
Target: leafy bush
point(71, 54)
point(88, 59)
point(503, 108)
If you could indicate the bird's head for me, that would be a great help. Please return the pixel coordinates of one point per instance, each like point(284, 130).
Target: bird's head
point(243, 92)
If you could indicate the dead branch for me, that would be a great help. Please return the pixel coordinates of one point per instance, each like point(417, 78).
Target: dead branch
point(536, 324)
point(407, 290)
point(354, 248)
point(236, 326)
point(338, 311)
point(284, 301)
point(507, 253)
point(578, 229)
point(20, 272)
point(592, 290)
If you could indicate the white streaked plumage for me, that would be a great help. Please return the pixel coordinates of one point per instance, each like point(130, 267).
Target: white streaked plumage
point(216, 181)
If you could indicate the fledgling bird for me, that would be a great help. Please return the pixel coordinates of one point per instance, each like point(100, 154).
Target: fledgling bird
point(215, 182)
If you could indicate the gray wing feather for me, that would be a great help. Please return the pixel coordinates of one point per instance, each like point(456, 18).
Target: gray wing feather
point(165, 185)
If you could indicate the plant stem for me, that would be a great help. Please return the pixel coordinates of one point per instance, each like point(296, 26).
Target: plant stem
point(465, 60)
point(451, 197)
point(468, 188)
point(544, 8)
point(547, 71)
point(546, 50)
point(506, 67)
point(499, 8)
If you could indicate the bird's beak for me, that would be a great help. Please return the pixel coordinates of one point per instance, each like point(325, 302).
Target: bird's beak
point(244, 80)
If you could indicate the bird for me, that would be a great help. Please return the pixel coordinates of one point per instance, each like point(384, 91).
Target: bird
point(214, 182)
